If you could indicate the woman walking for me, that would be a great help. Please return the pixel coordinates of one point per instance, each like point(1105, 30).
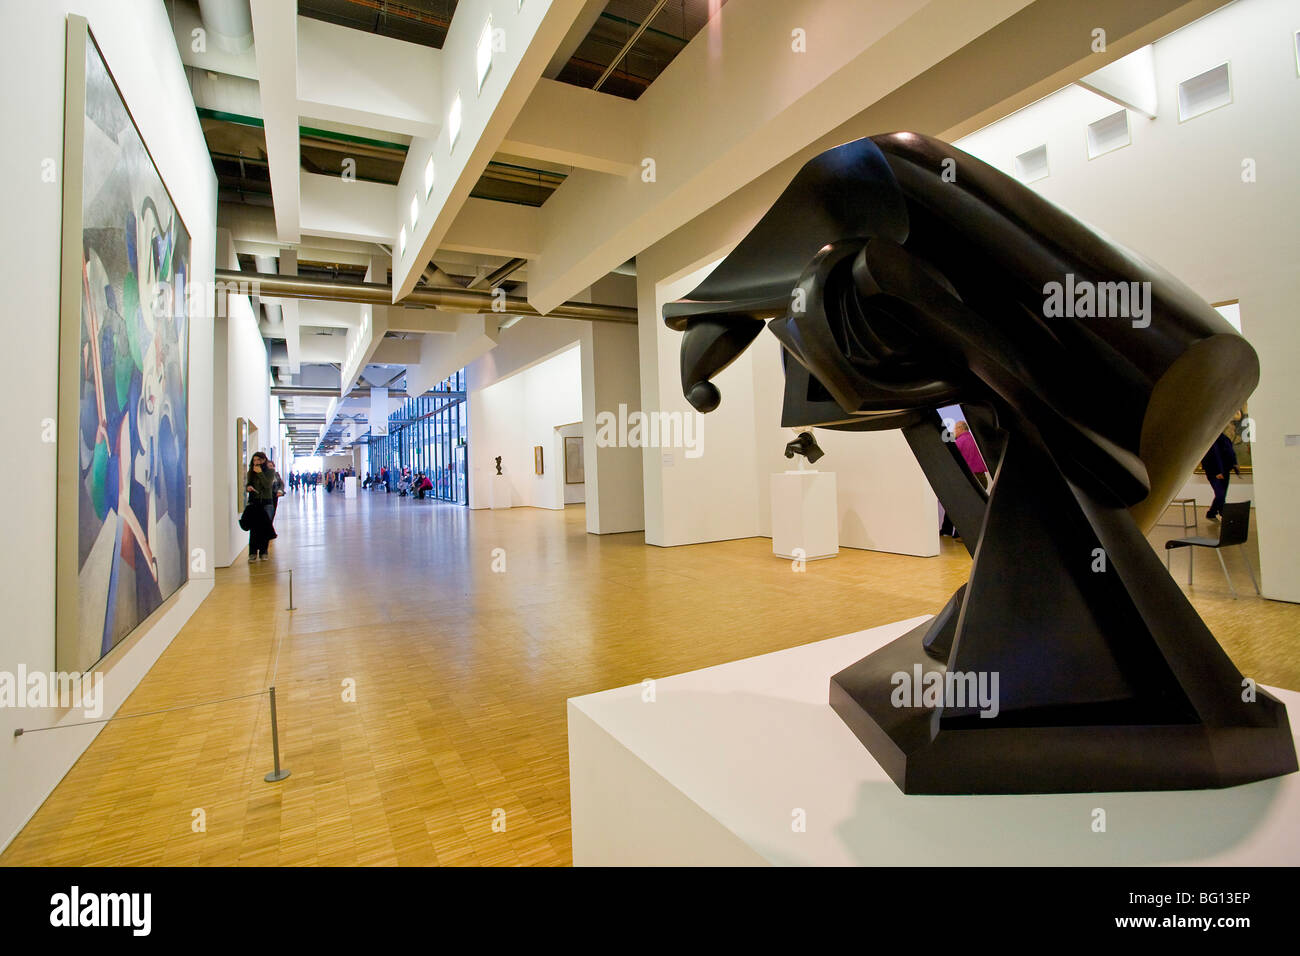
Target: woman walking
point(261, 506)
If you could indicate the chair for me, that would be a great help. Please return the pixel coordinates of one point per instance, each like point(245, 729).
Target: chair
point(1233, 529)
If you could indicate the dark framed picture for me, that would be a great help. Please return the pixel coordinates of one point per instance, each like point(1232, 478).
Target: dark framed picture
point(122, 545)
point(574, 470)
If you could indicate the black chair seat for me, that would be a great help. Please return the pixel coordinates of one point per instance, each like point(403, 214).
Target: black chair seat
point(1233, 530)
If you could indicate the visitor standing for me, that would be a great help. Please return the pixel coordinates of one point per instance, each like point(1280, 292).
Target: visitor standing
point(260, 487)
point(1219, 462)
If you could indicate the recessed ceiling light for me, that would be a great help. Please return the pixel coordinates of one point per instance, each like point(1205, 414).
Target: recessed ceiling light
point(428, 177)
point(401, 242)
point(415, 212)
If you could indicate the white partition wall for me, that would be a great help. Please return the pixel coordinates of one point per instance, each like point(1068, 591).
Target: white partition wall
point(137, 42)
point(721, 489)
point(605, 377)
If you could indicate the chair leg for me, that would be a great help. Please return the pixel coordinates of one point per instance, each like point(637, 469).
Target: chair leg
point(1226, 575)
point(1249, 567)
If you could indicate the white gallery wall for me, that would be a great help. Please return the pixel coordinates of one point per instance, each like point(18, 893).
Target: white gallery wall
point(519, 413)
point(243, 391)
point(885, 501)
point(606, 376)
point(137, 43)
point(1215, 199)
point(883, 498)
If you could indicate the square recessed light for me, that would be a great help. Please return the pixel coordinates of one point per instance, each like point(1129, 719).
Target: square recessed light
point(428, 177)
point(1204, 92)
point(1031, 165)
point(1108, 134)
point(483, 53)
point(453, 123)
point(401, 242)
point(415, 212)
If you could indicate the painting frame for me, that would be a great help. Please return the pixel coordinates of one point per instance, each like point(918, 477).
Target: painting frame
point(574, 465)
point(162, 455)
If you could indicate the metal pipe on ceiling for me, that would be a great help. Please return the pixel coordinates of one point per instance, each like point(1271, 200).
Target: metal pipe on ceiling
point(230, 22)
point(631, 42)
point(494, 278)
point(453, 300)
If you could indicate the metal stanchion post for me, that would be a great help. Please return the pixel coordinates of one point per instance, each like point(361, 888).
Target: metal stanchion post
point(290, 589)
point(276, 775)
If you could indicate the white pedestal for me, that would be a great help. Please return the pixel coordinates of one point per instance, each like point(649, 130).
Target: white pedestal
point(499, 492)
point(350, 486)
point(805, 515)
point(725, 760)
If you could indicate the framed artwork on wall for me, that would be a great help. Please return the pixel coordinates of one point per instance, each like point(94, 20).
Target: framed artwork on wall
point(537, 460)
point(574, 469)
point(123, 455)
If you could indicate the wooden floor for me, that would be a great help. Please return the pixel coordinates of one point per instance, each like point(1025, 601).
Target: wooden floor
point(461, 676)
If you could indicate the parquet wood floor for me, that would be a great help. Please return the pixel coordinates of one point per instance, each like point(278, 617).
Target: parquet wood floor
point(461, 676)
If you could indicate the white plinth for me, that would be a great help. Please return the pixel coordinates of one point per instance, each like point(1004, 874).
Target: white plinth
point(499, 491)
point(805, 515)
point(350, 486)
point(713, 772)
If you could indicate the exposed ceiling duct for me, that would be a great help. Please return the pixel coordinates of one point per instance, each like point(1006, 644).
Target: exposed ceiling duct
point(229, 23)
point(452, 300)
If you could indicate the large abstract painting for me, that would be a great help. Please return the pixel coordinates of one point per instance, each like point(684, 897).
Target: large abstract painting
point(122, 545)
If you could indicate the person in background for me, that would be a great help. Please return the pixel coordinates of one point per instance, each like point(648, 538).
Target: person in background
point(1219, 462)
point(970, 454)
point(965, 442)
point(260, 487)
point(277, 488)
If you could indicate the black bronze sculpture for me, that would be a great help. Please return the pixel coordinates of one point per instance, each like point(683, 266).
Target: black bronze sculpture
point(498, 464)
point(901, 275)
point(804, 445)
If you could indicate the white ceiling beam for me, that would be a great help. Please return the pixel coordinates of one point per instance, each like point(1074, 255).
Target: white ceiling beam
point(442, 355)
point(794, 71)
point(1129, 81)
point(275, 33)
point(396, 352)
point(350, 76)
point(490, 228)
point(572, 126)
point(524, 39)
point(432, 321)
point(290, 311)
point(354, 209)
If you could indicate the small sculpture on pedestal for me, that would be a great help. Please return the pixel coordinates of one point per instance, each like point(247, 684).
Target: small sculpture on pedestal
point(498, 464)
point(804, 445)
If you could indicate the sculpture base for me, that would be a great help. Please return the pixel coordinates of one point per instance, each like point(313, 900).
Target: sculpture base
point(1006, 754)
point(715, 770)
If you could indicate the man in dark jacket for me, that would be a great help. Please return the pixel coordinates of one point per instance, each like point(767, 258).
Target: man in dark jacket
point(1218, 462)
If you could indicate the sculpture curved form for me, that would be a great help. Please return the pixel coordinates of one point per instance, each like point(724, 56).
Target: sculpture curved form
point(900, 275)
